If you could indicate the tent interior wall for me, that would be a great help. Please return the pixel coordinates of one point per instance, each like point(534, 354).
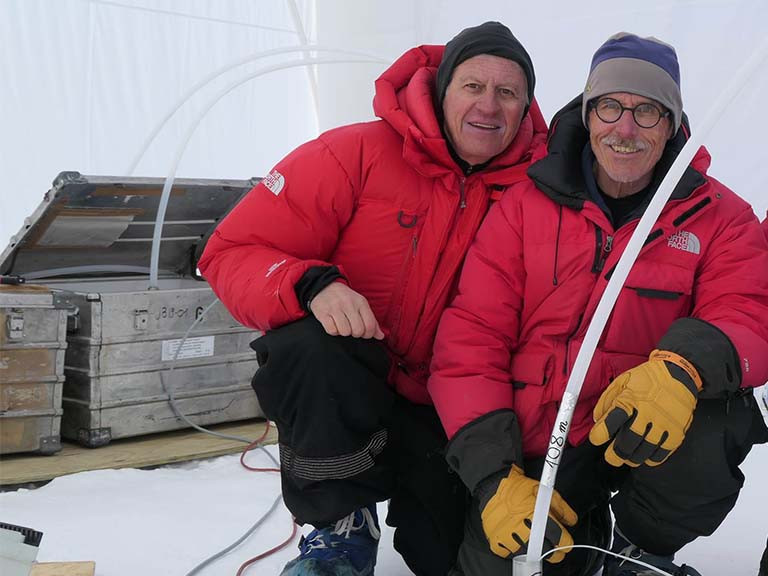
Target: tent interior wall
point(86, 81)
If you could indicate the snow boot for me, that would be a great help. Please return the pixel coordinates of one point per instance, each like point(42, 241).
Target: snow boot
point(625, 565)
point(346, 548)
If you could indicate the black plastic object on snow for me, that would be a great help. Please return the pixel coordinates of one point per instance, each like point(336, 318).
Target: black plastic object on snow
point(31, 537)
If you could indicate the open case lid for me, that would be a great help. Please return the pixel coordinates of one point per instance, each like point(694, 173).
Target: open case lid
point(96, 226)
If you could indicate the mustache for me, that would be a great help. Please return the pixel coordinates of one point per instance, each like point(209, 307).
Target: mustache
point(625, 142)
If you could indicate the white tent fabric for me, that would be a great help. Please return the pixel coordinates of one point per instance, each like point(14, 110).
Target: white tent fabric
point(85, 81)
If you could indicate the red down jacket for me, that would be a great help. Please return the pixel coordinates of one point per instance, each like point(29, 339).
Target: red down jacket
point(765, 226)
point(540, 264)
point(385, 202)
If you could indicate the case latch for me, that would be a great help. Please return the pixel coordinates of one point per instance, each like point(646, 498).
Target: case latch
point(15, 325)
point(140, 319)
point(73, 320)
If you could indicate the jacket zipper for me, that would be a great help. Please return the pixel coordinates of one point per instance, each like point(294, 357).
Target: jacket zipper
point(602, 250)
point(607, 247)
point(406, 271)
point(451, 229)
point(405, 275)
point(598, 249)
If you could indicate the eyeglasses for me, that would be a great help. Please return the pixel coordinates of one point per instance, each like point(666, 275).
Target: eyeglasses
point(646, 115)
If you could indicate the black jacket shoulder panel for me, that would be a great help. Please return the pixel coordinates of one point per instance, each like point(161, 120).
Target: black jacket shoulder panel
point(559, 173)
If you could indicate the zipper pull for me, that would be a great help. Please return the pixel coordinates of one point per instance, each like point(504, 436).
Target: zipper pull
point(602, 255)
point(607, 247)
point(462, 194)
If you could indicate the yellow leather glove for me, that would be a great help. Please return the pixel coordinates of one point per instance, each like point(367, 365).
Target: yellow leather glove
point(647, 410)
point(507, 518)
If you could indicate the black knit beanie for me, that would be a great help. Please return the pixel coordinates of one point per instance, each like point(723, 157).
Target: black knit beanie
point(489, 38)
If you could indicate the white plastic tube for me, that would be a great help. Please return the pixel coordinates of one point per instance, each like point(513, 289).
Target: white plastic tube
point(164, 197)
point(223, 70)
point(595, 329)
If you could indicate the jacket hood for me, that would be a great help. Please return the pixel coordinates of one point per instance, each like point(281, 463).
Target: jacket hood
point(556, 168)
point(405, 99)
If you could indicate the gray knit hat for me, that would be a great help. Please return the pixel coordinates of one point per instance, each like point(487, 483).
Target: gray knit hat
point(643, 66)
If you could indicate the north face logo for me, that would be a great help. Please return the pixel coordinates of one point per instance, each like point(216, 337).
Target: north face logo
point(274, 182)
point(686, 241)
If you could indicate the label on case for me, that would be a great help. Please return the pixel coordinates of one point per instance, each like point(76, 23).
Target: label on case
point(193, 348)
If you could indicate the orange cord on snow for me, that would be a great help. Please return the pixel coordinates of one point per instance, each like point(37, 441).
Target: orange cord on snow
point(244, 566)
point(255, 444)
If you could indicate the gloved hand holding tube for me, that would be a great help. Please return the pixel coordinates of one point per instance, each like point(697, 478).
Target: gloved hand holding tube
point(508, 514)
point(647, 410)
point(487, 454)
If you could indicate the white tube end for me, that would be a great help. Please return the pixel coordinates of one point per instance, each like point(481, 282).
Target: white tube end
point(521, 566)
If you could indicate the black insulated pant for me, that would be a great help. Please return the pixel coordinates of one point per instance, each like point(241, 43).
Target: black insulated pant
point(660, 509)
point(347, 440)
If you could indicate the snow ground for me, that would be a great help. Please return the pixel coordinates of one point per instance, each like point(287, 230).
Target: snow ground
point(167, 520)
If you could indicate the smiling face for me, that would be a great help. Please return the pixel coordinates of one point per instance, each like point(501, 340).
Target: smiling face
point(626, 153)
point(483, 106)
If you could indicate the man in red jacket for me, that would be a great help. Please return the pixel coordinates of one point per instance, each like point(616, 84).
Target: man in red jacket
point(346, 254)
point(764, 400)
point(666, 414)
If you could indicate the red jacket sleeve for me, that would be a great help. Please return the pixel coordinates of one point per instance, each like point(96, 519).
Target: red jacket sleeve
point(288, 223)
point(477, 332)
point(732, 289)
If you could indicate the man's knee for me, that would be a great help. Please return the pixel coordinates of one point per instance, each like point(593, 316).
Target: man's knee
point(302, 338)
point(663, 508)
point(301, 365)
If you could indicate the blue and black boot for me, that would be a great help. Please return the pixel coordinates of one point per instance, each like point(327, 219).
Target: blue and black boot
point(630, 558)
point(346, 548)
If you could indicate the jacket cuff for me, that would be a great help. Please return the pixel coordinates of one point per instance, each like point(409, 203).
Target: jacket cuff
point(487, 489)
point(313, 281)
point(710, 351)
point(485, 447)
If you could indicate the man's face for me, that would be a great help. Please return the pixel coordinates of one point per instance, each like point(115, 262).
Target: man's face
point(626, 153)
point(483, 106)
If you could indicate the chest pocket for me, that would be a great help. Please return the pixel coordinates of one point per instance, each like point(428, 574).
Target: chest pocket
point(654, 295)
